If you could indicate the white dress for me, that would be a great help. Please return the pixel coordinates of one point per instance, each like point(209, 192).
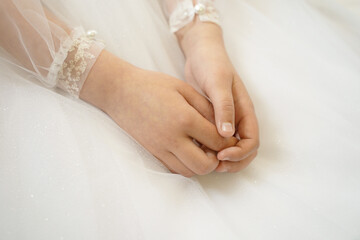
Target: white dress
point(67, 171)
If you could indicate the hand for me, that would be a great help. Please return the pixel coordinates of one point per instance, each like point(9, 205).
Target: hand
point(162, 113)
point(209, 68)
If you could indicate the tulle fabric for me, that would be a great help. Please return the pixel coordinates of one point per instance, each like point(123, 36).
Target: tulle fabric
point(57, 51)
point(68, 172)
point(52, 51)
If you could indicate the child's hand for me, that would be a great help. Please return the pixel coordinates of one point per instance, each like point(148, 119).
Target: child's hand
point(162, 113)
point(209, 68)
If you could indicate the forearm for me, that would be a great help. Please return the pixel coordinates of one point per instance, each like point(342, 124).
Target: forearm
point(43, 45)
point(13, 29)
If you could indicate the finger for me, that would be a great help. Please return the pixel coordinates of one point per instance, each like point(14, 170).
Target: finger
point(175, 165)
point(198, 102)
point(195, 158)
point(206, 133)
point(242, 150)
point(247, 125)
point(210, 153)
point(242, 100)
point(248, 130)
point(223, 102)
point(232, 167)
point(249, 141)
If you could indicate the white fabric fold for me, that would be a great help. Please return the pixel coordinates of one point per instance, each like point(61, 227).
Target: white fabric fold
point(68, 172)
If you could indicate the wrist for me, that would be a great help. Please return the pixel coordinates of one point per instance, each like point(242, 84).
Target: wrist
point(105, 80)
point(198, 34)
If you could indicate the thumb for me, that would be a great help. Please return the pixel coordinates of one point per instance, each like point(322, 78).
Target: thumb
point(223, 102)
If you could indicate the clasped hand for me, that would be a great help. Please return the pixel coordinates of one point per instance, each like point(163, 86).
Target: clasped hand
point(167, 115)
point(209, 69)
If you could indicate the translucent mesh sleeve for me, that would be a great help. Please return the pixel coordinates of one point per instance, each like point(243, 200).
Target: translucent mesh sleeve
point(55, 53)
point(182, 12)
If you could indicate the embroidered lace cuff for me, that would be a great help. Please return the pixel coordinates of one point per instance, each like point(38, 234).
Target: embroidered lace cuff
point(185, 11)
point(74, 60)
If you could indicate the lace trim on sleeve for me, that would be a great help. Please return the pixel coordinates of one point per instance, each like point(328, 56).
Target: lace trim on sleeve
point(185, 12)
point(74, 61)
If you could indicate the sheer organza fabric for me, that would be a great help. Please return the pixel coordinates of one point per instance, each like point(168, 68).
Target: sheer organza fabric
point(59, 52)
point(36, 41)
point(69, 172)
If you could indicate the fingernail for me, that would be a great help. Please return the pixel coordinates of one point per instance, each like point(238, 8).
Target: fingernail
point(225, 159)
point(227, 127)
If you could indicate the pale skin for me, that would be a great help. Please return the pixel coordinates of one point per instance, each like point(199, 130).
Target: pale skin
point(162, 113)
point(165, 114)
point(209, 68)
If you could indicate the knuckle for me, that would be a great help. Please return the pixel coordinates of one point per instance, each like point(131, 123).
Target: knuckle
point(222, 143)
point(219, 144)
point(171, 141)
point(223, 72)
point(227, 105)
point(185, 120)
point(206, 167)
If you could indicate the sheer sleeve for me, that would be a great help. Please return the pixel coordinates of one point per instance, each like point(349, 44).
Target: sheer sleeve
point(55, 53)
point(182, 12)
